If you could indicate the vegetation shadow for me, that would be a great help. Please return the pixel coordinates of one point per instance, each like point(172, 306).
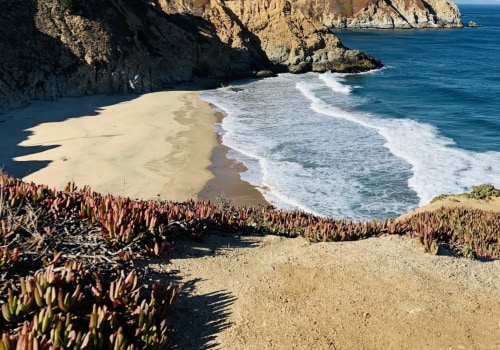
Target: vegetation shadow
point(199, 318)
point(211, 244)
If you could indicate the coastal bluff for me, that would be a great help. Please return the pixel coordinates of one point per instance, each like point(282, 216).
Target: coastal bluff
point(61, 48)
point(383, 14)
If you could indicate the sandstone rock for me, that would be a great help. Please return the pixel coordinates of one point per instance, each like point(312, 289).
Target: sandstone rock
point(383, 14)
point(265, 74)
point(138, 46)
point(292, 41)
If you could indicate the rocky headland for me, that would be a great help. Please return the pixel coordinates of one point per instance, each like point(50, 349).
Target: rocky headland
point(383, 14)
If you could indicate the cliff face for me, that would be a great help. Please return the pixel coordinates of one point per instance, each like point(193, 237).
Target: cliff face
point(106, 46)
point(136, 46)
point(384, 14)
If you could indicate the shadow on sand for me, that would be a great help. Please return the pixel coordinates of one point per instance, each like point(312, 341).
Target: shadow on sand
point(198, 318)
point(16, 125)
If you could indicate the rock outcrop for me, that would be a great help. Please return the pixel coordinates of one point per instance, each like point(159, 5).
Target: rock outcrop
point(55, 48)
point(383, 14)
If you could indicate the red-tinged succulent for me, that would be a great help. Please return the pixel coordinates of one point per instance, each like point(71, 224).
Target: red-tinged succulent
point(84, 300)
point(8, 256)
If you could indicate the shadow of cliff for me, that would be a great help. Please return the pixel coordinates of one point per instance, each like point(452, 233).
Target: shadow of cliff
point(256, 43)
point(160, 49)
point(32, 67)
point(429, 9)
point(26, 54)
point(180, 47)
point(16, 125)
point(35, 65)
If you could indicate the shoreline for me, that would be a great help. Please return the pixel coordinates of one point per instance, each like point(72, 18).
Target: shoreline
point(159, 145)
point(227, 183)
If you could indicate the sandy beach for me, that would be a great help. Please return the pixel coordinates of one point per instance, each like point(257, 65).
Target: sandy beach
point(153, 146)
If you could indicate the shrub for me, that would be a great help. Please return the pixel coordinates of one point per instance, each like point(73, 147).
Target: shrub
point(440, 197)
point(485, 191)
point(469, 252)
point(69, 5)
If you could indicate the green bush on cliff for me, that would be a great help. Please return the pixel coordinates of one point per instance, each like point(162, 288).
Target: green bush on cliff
point(440, 197)
point(485, 191)
point(69, 5)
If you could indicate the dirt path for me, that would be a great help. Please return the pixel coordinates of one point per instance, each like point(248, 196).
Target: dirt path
point(382, 293)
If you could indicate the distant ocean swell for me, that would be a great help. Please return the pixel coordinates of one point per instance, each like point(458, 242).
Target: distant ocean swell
point(431, 155)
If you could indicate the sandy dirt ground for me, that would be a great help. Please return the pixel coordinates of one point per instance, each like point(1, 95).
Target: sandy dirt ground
point(269, 292)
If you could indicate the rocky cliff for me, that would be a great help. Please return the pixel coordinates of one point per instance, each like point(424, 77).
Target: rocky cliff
point(384, 14)
point(55, 48)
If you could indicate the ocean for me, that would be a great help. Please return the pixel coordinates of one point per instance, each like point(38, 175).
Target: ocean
point(377, 144)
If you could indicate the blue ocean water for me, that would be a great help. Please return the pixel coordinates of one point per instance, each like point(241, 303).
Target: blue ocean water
point(377, 144)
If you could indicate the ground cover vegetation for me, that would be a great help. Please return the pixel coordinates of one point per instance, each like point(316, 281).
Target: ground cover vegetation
point(70, 272)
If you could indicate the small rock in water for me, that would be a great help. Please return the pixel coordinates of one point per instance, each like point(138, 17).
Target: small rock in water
point(473, 24)
point(265, 74)
point(234, 89)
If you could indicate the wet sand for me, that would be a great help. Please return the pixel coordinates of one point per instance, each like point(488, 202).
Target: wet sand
point(227, 183)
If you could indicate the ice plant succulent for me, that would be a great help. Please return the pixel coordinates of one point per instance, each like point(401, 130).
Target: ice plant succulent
point(67, 273)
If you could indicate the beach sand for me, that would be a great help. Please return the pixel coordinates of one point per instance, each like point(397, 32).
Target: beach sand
point(227, 183)
point(153, 146)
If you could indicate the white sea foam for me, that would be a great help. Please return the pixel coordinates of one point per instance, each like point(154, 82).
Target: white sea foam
point(334, 82)
point(307, 147)
point(438, 166)
point(289, 155)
